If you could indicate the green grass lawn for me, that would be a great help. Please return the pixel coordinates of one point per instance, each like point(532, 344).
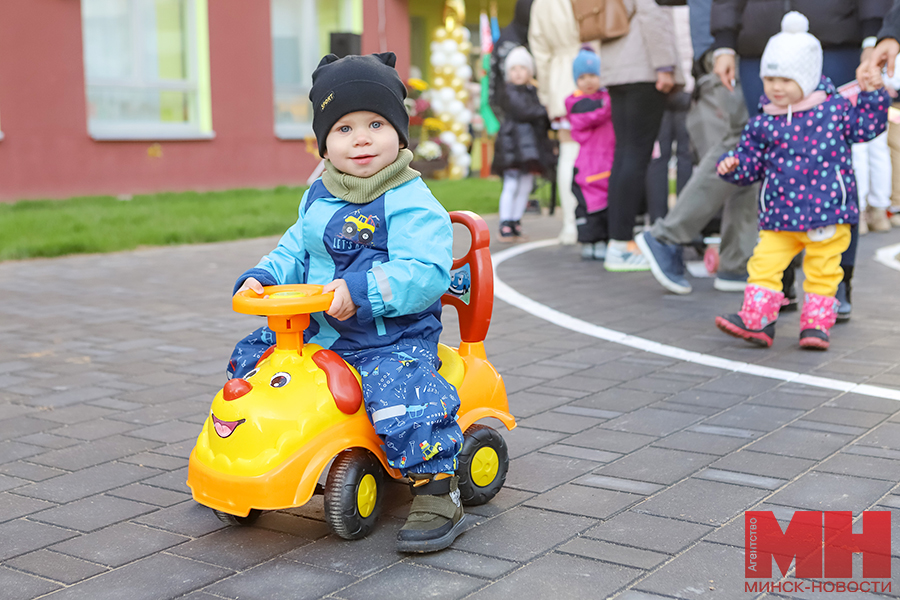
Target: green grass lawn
point(44, 228)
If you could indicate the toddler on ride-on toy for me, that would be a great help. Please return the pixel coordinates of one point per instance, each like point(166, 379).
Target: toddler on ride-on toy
point(373, 234)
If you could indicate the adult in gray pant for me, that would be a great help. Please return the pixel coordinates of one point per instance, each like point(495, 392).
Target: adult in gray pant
point(715, 123)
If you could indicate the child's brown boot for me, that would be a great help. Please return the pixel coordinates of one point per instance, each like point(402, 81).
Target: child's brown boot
point(877, 219)
point(436, 517)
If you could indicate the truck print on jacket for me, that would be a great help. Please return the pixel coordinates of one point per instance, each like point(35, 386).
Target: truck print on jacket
point(360, 228)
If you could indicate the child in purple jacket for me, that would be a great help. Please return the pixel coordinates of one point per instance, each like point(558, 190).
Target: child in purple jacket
point(800, 148)
point(591, 119)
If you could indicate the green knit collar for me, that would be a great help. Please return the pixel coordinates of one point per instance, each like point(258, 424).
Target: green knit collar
point(362, 190)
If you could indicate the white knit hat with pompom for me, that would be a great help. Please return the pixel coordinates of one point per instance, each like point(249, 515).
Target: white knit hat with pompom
point(518, 56)
point(794, 54)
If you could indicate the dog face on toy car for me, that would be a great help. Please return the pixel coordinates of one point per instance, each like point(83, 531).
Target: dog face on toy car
point(257, 422)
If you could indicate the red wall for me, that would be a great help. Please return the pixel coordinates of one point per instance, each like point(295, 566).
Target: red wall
point(387, 30)
point(47, 153)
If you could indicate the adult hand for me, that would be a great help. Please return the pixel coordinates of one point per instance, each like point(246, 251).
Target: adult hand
point(725, 69)
point(866, 54)
point(862, 74)
point(342, 307)
point(665, 81)
point(251, 284)
point(868, 76)
point(885, 53)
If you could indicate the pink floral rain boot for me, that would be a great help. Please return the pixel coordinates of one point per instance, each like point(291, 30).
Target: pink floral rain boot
point(818, 317)
point(756, 320)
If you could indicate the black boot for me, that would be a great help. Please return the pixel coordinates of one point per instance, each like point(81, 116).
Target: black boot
point(436, 517)
point(843, 296)
point(789, 304)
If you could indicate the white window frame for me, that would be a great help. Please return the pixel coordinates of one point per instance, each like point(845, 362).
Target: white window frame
point(309, 21)
point(197, 82)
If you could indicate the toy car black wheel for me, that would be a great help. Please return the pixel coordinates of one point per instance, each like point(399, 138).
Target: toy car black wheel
point(353, 493)
point(483, 464)
point(365, 236)
point(348, 229)
point(235, 520)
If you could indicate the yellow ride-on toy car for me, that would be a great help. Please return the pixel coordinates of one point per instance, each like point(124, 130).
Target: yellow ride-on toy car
point(270, 436)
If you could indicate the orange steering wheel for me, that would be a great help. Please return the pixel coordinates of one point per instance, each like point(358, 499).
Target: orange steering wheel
point(283, 300)
point(287, 307)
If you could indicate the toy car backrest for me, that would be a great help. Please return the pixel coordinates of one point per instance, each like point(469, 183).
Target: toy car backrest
point(472, 280)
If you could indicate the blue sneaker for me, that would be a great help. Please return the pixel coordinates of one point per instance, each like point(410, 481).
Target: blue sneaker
point(666, 263)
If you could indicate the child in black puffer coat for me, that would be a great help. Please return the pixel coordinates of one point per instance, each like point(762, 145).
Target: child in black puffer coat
point(522, 147)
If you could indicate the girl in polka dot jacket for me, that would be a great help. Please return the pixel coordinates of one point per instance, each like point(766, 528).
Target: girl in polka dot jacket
point(800, 148)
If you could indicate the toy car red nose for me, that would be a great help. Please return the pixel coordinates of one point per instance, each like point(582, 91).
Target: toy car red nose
point(235, 388)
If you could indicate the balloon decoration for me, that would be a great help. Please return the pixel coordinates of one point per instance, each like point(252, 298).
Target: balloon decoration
point(450, 50)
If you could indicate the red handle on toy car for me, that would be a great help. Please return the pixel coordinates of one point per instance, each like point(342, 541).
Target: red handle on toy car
point(474, 315)
point(283, 300)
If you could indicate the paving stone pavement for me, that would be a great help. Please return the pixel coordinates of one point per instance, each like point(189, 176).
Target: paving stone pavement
point(630, 471)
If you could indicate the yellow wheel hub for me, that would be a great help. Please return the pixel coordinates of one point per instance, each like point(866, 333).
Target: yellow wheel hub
point(366, 496)
point(485, 465)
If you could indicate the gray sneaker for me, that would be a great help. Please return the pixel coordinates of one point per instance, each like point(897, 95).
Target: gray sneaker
point(730, 282)
point(619, 261)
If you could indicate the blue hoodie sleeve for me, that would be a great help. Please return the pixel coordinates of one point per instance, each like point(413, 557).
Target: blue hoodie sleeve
point(261, 275)
point(750, 152)
point(868, 119)
point(420, 248)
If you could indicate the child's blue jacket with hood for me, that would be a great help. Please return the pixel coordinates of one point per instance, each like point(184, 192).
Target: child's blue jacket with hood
point(803, 159)
point(395, 253)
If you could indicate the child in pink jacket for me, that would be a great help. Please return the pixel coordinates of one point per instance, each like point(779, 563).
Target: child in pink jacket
point(591, 119)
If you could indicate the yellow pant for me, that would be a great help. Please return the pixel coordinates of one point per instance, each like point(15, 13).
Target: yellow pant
point(821, 266)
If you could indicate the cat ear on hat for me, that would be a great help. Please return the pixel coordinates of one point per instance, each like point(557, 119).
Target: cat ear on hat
point(388, 58)
point(327, 60)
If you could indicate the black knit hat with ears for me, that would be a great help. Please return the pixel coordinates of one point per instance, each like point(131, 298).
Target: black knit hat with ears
point(353, 83)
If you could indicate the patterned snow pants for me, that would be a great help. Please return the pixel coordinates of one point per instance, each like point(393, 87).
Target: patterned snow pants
point(411, 406)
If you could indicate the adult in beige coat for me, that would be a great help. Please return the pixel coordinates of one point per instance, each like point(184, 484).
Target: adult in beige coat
point(553, 41)
point(639, 69)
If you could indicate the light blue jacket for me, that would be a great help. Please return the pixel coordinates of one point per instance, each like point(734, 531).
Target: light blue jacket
point(395, 253)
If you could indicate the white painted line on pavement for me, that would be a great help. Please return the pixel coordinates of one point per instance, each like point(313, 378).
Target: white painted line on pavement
point(888, 256)
point(514, 298)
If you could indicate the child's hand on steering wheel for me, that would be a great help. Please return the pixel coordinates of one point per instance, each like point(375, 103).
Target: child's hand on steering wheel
point(251, 284)
point(342, 307)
